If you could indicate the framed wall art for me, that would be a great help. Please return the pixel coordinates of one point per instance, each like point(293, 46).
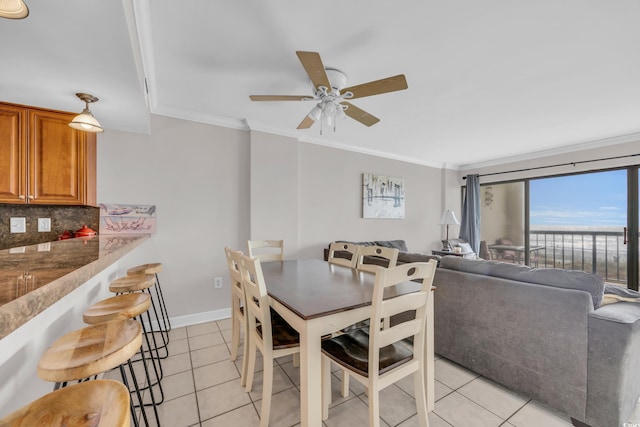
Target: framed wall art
point(382, 196)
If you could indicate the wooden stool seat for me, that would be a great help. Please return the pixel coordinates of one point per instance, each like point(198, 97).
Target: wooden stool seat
point(152, 268)
point(90, 351)
point(100, 403)
point(138, 282)
point(125, 306)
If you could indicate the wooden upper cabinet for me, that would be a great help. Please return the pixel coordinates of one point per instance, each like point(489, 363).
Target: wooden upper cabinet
point(43, 160)
point(13, 154)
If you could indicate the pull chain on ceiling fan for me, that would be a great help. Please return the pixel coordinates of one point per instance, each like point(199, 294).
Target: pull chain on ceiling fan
point(330, 92)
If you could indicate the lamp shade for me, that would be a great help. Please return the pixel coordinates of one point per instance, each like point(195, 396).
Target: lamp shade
point(449, 218)
point(86, 122)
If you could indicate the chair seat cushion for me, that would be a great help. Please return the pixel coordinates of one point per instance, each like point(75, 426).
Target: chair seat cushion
point(284, 336)
point(351, 350)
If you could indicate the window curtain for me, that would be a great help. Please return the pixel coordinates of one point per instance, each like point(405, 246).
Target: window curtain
point(470, 224)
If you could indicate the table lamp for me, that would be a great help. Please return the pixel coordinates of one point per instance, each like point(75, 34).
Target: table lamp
point(448, 218)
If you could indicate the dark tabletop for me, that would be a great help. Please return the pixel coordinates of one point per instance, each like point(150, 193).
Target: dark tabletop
point(314, 288)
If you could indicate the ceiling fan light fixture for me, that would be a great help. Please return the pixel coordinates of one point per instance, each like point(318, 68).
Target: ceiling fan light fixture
point(315, 113)
point(85, 121)
point(13, 9)
point(340, 114)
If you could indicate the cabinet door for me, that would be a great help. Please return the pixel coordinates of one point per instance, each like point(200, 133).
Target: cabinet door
point(57, 160)
point(13, 154)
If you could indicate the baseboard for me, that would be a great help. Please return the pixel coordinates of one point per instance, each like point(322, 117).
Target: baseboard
point(194, 319)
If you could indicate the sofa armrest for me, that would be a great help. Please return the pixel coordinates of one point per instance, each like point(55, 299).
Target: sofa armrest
point(613, 364)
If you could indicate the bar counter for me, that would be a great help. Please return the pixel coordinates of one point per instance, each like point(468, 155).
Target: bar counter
point(32, 278)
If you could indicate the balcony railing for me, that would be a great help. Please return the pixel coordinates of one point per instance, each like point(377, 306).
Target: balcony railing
point(601, 252)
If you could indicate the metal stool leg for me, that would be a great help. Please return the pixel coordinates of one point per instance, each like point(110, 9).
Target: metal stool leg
point(163, 307)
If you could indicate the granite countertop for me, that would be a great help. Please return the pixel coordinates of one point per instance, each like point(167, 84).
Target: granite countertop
point(32, 278)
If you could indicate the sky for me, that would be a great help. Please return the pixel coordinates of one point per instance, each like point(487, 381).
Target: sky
point(593, 199)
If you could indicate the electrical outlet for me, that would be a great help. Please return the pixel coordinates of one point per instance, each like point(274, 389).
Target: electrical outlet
point(217, 282)
point(18, 225)
point(44, 224)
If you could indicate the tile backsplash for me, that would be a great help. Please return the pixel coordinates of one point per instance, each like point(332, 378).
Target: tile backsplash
point(62, 218)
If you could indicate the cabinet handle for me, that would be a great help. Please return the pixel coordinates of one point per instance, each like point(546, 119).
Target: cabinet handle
point(21, 196)
point(30, 197)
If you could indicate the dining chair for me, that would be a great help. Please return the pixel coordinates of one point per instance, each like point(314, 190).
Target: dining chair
point(274, 338)
point(266, 250)
point(388, 256)
point(379, 357)
point(338, 251)
point(238, 318)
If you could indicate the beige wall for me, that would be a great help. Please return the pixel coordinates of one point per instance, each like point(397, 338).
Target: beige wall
point(313, 195)
point(504, 216)
point(571, 162)
point(216, 186)
point(198, 177)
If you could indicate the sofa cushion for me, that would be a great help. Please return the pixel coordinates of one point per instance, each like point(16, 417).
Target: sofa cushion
point(616, 293)
point(406, 257)
point(569, 279)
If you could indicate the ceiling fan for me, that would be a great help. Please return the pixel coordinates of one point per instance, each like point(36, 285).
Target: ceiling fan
point(329, 89)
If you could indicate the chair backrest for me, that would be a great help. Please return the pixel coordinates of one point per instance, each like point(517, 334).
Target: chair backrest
point(338, 251)
point(376, 253)
point(255, 291)
point(394, 304)
point(237, 290)
point(266, 250)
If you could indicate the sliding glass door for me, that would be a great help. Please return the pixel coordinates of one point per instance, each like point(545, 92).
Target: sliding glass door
point(587, 221)
point(581, 221)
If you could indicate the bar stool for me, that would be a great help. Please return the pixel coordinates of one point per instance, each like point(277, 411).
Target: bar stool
point(92, 350)
point(154, 268)
point(130, 306)
point(143, 283)
point(105, 402)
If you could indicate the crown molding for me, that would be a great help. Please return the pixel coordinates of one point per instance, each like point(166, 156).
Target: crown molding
point(574, 148)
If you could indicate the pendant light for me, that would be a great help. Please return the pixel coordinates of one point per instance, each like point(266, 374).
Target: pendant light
point(85, 120)
point(13, 9)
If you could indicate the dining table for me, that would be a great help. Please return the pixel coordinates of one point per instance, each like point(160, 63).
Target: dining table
point(318, 298)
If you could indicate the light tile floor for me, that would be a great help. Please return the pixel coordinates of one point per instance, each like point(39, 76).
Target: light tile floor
point(202, 388)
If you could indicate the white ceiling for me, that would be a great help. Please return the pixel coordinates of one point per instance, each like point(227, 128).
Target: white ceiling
point(488, 80)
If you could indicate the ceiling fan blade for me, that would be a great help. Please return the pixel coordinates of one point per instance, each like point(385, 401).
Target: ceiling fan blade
point(306, 123)
point(315, 69)
point(280, 97)
point(360, 115)
point(390, 84)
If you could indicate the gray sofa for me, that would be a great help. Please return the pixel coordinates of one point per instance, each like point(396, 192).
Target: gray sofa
point(543, 333)
point(404, 255)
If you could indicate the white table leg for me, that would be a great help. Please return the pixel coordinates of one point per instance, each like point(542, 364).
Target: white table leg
point(311, 375)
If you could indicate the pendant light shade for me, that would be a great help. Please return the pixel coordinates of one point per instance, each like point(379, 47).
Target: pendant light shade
point(85, 120)
point(13, 9)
